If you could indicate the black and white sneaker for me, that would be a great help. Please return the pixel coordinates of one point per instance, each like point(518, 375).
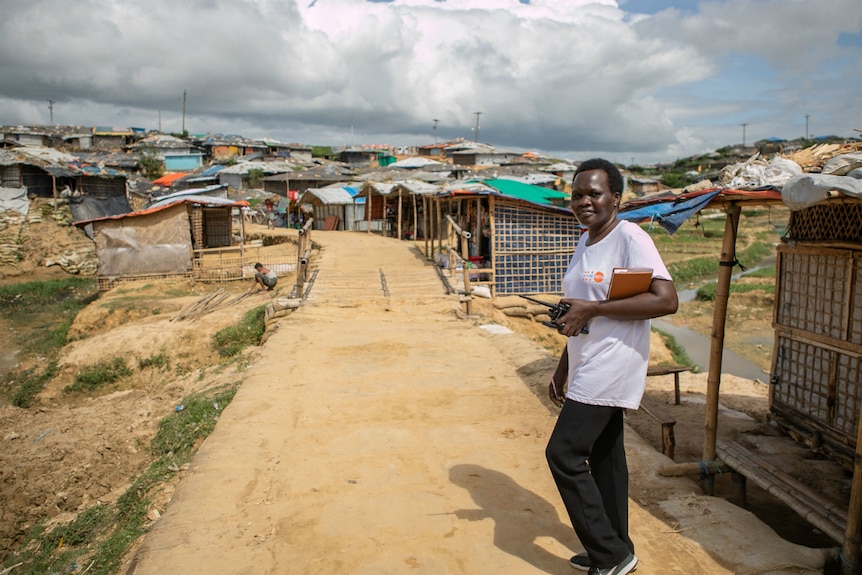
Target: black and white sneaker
point(581, 562)
point(628, 565)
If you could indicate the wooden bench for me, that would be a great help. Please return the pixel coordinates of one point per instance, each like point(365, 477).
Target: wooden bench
point(805, 501)
point(667, 370)
point(655, 410)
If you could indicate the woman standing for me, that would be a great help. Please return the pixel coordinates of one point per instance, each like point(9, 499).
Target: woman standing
point(603, 371)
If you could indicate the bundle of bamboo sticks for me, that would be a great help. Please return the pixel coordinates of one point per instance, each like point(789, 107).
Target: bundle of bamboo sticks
point(813, 157)
point(209, 303)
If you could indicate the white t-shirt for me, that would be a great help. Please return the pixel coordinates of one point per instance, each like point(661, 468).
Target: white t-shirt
point(608, 365)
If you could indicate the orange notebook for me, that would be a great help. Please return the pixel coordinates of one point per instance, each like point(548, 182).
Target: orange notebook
point(626, 282)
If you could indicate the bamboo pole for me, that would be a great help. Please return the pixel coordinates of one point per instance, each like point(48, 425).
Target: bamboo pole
point(492, 244)
point(850, 549)
point(415, 221)
point(439, 225)
point(368, 208)
point(722, 291)
point(426, 228)
point(399, 213)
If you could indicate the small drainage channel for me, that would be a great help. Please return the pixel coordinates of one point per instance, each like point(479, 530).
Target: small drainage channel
point(697, 345)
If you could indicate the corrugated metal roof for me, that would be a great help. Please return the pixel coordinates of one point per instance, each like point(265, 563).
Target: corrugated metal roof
point(330, 196)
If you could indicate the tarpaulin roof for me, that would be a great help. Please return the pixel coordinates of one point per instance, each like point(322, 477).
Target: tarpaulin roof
point(671, 211)
point(515, 190)
point(169, 179)
point(201, 200)
point(529, 192)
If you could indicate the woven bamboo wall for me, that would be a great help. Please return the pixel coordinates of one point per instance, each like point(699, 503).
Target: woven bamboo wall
point(217, 227)
point(532, 248)
point(817, 364)
point(838, 220)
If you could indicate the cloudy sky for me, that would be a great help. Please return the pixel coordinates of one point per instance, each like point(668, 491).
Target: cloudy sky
point(632, 80)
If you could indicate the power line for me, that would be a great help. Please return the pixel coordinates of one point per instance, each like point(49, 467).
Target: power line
point(51, 109)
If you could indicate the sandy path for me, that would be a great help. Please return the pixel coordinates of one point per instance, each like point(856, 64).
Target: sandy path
point(384, 435)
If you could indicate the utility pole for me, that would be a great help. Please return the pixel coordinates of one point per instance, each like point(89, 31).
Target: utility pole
point(51, 109)
point(435, 129)
point(477, 125)
point(806, 126)
point(743, 134)
point(184, 112)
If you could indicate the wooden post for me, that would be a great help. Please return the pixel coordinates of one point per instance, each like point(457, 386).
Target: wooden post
point(368, 208)
point(398, 221)
point(415, 221)
point(439, 225)
point(713, 382)
point(850, 550)
point(468, 291)
point(492, 243)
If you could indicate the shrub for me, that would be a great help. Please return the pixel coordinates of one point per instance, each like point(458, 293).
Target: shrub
point(100, 374)
point(249, 331)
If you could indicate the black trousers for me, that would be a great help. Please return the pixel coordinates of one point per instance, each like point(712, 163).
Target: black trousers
point(587, 458)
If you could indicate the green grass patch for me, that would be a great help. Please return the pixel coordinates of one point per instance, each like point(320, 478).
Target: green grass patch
point(99, 537)
point(248, 331)
point(158, 361)
point(41, 313)
point(764, 272)
point(707, 292)
point(99, 375)
point(23, 386)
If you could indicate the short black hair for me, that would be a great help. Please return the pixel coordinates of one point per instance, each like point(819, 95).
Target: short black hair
point(258, 265)
point(615, 178)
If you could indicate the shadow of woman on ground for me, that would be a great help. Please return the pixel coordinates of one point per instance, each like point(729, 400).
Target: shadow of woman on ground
point(520, 516)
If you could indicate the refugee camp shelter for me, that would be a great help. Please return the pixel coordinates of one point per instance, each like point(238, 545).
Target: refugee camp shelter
point(333, 207)
point(171, 238)
point(816, 385)
point(815, 389)
point(396, 208)
point(522, 237)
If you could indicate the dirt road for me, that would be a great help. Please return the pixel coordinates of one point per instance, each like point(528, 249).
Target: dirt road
point(384, 434)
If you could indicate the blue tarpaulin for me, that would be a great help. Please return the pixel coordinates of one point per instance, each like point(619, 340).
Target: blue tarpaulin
point(669, 215)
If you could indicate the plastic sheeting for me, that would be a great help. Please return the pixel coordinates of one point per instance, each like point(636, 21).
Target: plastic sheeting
point(158, 243)
point(14, 199)
point(808, 189)
point(669, 215)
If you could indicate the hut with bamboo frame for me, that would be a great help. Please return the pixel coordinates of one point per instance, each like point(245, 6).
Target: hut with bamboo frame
point(815, 390)
point(523, 244)
point(333, 207)
point(396, 209)
point(380, 207)
point(191, 237)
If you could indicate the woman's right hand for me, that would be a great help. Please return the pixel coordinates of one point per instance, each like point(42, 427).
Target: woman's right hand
point(555, 393)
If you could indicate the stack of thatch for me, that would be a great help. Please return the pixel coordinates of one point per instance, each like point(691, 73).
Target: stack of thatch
point(811, 159)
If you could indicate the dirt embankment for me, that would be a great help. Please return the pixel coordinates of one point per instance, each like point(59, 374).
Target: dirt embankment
point(71, 451)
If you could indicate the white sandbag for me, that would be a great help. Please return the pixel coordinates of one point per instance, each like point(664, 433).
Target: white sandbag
point(843, 164)
point(808, 189)
point(481, 291)
point(779, 171)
